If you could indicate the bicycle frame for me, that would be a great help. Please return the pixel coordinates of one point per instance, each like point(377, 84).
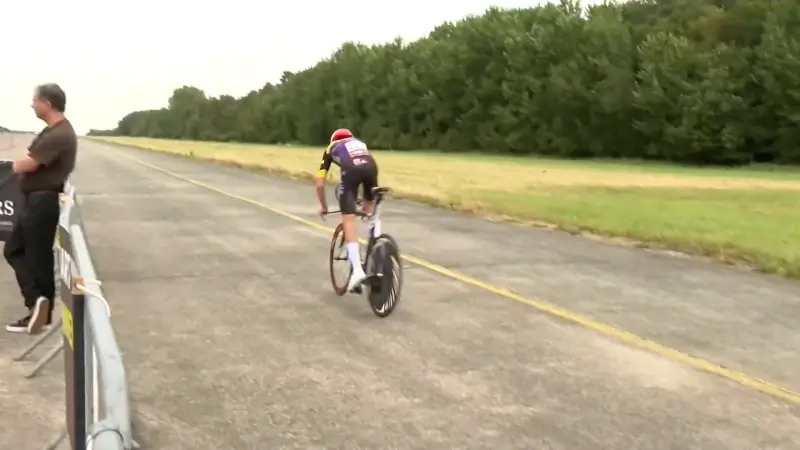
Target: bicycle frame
point(381, 260)
point(375, 215)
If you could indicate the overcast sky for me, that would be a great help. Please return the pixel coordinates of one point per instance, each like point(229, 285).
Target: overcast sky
point(112, 58)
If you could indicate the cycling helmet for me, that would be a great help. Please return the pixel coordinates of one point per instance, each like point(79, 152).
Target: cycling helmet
point(341, 133)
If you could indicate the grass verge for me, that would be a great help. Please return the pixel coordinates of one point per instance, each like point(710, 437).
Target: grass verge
point(732, 215)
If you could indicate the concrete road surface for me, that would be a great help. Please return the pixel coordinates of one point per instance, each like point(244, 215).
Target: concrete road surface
point(233, 339)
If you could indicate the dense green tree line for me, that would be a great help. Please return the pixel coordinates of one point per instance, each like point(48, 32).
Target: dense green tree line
point(695, 81)
point(8, 130)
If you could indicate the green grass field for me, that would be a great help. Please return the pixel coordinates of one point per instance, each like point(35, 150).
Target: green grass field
point(733, 215)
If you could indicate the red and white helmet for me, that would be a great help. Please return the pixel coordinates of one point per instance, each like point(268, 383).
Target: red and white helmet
point(341, 133)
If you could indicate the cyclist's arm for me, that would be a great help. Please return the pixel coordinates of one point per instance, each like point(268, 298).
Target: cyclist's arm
point(322, 173)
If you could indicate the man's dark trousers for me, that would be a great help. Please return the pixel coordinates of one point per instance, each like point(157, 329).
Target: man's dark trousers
point(29, 249)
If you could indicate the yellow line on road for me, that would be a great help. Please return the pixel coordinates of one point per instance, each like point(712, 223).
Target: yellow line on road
point(541, 305)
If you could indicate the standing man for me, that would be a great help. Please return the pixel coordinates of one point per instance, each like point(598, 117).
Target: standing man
point(42, 172)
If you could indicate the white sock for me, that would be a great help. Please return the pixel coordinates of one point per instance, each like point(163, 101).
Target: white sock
point(353, 255)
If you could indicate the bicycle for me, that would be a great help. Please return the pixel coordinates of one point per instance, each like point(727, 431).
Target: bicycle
point(381, 261)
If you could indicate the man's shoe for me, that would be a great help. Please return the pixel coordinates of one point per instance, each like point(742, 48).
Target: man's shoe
point(20, 326)
point(39, 319)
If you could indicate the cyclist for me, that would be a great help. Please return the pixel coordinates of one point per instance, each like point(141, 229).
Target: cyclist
point(358, 168)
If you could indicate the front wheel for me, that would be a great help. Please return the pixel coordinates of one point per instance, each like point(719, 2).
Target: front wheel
point(338, 263)
point(387, 286)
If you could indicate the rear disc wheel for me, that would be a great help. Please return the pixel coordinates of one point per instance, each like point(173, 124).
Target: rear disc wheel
point(385, 290)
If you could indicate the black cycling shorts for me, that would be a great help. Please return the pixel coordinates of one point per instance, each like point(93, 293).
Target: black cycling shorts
point(353, 177)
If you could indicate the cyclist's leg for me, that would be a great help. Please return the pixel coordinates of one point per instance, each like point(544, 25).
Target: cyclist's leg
point(347, 204)
point(370, 181)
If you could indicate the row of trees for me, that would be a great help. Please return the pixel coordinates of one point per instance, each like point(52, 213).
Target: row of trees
point(6, 130)
point(693, 81)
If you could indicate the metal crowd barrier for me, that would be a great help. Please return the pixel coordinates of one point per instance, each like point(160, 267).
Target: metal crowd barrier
point(98, 415)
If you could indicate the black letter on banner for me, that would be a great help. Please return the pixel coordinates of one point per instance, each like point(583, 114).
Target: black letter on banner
point(10, 199)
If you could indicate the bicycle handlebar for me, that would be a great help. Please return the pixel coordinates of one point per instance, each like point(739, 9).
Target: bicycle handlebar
point(360, 214)
point(322, 216)
point(359, 202)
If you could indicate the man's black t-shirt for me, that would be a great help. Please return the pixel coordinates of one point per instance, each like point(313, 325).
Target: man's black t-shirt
point(55, 149)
